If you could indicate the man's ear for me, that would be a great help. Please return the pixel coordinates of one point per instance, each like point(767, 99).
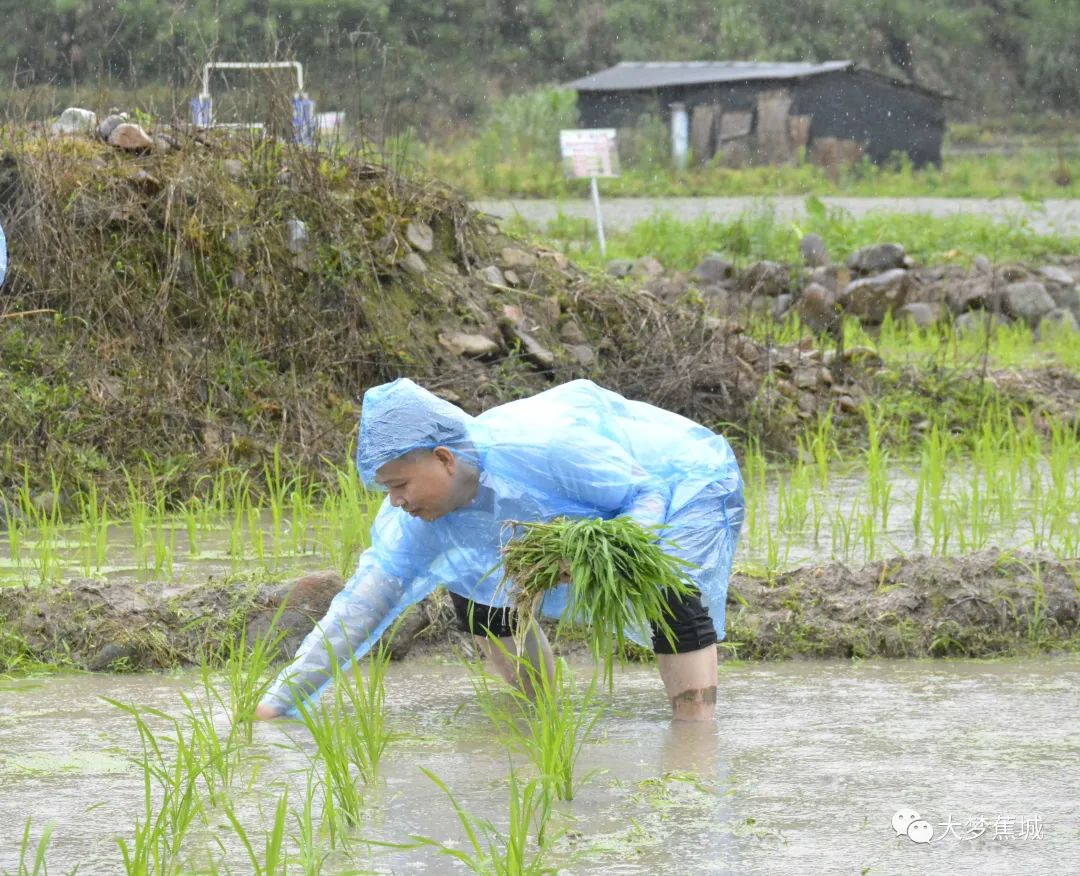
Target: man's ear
point(446, 456)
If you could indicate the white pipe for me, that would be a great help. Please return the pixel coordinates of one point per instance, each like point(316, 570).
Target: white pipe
point(251, 65)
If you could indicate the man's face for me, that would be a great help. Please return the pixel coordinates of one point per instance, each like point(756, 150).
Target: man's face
point(421, 483)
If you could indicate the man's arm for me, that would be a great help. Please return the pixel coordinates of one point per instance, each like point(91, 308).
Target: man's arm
point(389, 577)
point(353, 617)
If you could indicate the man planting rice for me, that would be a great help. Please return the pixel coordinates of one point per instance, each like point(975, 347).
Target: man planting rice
point(455, 481)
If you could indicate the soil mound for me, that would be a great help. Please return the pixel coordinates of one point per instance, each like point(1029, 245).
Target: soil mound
point(192, 305)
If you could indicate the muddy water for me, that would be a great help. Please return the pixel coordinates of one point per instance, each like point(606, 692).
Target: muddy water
point(802, 772)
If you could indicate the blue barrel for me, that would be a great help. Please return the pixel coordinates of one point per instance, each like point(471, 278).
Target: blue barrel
point(202, 111)
point(303, 119)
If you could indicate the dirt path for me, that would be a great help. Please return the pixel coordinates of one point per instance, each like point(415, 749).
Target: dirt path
point(1058, 216)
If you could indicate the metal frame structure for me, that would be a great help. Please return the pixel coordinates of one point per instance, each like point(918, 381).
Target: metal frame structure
point(202, 106)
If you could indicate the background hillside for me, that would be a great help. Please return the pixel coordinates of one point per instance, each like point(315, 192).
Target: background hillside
point(432, 63)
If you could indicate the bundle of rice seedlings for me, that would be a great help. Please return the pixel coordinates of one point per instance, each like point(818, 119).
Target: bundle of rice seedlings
point(621, 577)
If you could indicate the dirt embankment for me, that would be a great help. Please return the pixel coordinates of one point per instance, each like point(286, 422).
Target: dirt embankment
point(987, 604)
point(205, 301)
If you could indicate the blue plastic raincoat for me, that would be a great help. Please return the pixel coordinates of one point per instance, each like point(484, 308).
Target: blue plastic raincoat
point(576, 450)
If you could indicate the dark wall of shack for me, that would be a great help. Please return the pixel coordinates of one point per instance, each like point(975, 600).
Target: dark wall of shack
point(860, 106)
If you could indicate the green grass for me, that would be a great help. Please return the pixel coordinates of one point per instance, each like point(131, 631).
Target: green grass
point(761, 234)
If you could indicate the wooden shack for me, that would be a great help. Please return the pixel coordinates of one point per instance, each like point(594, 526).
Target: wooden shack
point(768, 112)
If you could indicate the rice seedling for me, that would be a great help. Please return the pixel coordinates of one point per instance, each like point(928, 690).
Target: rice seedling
point(492, 852)
point(364, 702)
point(311, 855)
point(343, 800)
point(619, 573)
point(877, 465)
point(249, 671)
point(32, 857)
point(158, 836)
point(274, 859)
point(552, 727)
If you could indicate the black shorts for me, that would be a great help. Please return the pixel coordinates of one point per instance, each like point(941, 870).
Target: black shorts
point(690, 622)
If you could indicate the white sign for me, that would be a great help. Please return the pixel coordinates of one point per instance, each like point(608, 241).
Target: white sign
point(589, 152)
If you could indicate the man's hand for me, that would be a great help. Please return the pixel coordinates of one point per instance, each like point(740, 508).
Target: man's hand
point(264, 712)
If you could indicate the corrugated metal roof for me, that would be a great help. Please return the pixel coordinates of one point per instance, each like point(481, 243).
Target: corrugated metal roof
point(635, 75)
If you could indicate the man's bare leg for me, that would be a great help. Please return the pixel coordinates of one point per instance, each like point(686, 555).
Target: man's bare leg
point(537, 653)
point(690, 682)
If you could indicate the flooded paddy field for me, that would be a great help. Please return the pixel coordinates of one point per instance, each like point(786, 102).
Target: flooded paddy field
point(803, 771)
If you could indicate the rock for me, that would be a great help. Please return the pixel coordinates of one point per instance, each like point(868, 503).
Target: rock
point(648, 266)
point(234, 167)
point(414, 264)
point(807, 378)
point(877, 258)
point(109, 124)
point(583, 354)
point(570, 333)
point(420, 236)
point(561, 261)
point(813, 252)
point(1013, 273)
point(513, 257)
point(1028, 301)
point(113, 656)
point(766, 278)
point(920, 313)
point(462, 344)
point(832, 277)
point(817, 309)
point(870, 298)
point(536, 352)
point(296, 236)
point(781, 305)
point(847, 404)
point(716, 297)
point(75, 120)
point(668, 288)
point(713, 269)
point(131, 138)
point(1056, 320)
point(1058, 276)
point(305, 601)
point(982, 265)
point(492, 276)
point(620, 267)
point(977, 292)
point(512, 278)
point(550, 310)
point(145, 181)
point(165, 144)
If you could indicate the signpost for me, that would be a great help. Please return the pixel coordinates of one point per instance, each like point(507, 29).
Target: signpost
point(592, 153)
